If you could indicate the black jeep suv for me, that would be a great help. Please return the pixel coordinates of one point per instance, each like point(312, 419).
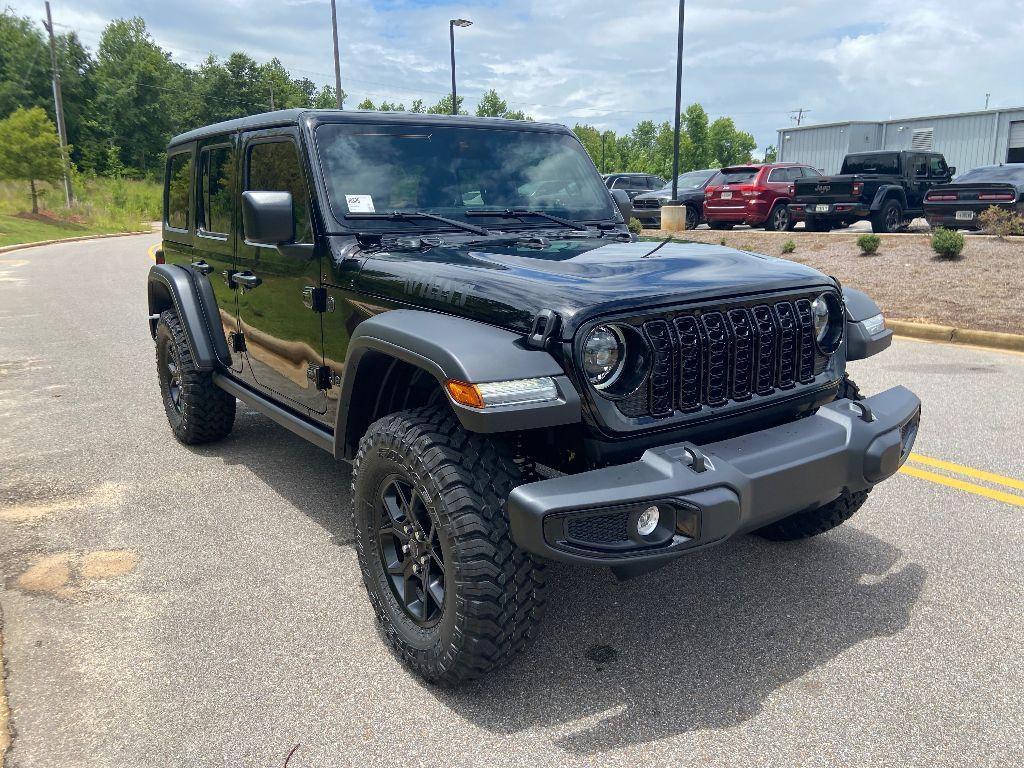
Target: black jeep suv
point(886, 187)
point(513, 378)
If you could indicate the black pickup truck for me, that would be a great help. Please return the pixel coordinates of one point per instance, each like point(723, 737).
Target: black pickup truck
point(886, 187)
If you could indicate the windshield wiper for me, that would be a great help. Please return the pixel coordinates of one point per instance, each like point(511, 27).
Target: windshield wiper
point(407, 215)
point(518, 213)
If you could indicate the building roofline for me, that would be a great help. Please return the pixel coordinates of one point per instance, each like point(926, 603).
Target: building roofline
point(903, 119)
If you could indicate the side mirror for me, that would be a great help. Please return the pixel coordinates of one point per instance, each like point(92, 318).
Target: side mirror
point(951, 170)
point(268, 217)
point(624, 204)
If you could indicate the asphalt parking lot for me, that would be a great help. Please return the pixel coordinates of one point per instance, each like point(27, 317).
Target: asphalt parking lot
point(171, 606)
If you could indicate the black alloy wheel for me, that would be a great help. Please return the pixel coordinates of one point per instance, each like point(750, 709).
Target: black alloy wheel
point(778, 220)
point(172, 377)
point(893, 217)
point(692, 217)
point(410, 551)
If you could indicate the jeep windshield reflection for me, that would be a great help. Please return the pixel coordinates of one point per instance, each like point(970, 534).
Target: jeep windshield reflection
point(458, 173)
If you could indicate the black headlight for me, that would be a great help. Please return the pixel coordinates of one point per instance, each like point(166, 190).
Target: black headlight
point(827, 313)
point(615, 359)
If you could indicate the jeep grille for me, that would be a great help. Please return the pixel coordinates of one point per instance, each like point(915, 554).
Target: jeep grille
point(710, 358)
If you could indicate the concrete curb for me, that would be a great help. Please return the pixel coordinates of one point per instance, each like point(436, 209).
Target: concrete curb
point(21, 246)
point(1010, 342)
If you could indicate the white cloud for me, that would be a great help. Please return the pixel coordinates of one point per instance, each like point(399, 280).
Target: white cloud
point(612, 63)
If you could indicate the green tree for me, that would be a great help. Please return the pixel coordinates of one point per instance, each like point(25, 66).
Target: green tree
point(30, 149)
point(78, 86)
point(444, 106)
point(325, 98)
point(366, 104)
point(24, 66)
point(698, 150)
point(771, 154)
point(491, 105)
point(417, 106)
point(387, 106)
point(729, 146)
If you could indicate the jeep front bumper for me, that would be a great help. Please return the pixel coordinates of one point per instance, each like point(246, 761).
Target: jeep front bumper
point(706, 494)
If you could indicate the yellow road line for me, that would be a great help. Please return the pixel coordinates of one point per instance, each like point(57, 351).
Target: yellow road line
point(963, 485)
point(152, 251)
point(977, 474)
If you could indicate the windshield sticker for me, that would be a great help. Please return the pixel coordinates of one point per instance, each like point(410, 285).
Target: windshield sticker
point(359, 203)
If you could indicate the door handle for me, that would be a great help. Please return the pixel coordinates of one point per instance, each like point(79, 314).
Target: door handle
point(246, 280)
point(202, 267)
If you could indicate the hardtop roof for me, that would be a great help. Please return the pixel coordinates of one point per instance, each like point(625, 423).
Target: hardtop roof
point(283, 117)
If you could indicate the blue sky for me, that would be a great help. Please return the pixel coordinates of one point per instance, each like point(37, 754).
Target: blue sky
point(611, 64)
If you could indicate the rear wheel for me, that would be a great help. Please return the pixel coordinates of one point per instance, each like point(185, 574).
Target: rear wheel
point(455, 597)
point(197, 409)
point(814, 224)
point(888, 218)
point(780, 219)
point(720, 225)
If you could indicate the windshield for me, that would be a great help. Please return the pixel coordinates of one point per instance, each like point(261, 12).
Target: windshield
point(452, 171)
point(734, 176)
point(1013, 174)
point(692, 180)
point(889, 163)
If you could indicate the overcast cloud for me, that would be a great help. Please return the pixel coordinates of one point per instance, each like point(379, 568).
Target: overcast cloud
point(611, 64)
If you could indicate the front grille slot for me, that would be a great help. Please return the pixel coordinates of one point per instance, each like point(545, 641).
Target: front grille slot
point(708, 359)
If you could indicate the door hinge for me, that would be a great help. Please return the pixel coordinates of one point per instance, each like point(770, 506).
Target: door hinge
point(317, 299)
point(324, 377)
point(237, 342)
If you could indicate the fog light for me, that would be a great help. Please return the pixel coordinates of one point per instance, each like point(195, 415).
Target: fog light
point(648, 521)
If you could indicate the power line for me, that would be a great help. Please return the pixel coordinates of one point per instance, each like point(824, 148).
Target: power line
point(798, 114)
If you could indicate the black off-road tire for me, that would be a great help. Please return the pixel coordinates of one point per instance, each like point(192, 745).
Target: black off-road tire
point(803, 525)
point(493, 591)
point(814, 224)
point(197, 410)
point(888, 218)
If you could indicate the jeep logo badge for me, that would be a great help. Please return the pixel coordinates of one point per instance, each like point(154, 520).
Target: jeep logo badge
point(823, 188)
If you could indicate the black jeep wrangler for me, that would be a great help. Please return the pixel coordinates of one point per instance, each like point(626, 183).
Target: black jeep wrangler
point(886, 187)
point(455, 306)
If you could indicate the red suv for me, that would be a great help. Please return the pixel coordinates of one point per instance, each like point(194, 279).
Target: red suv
point(757, 195)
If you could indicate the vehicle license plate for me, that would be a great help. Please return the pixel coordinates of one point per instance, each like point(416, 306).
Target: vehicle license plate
point(727, 195)
point(964, 215)
point(821, 209)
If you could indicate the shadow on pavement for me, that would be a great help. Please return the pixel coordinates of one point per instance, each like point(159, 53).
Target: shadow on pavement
point(700, 644)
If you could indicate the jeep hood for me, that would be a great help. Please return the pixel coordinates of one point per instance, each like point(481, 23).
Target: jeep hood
point(578, 279)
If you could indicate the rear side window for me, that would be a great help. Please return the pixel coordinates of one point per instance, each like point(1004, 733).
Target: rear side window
point(735, 176)
point(881, 164)
point(216, 193)
point(937, 166)
point(809, 172)
point(274, 167)
point(179, 188)
point(920, 165)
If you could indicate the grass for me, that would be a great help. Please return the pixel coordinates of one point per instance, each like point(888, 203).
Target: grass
point(101, 206)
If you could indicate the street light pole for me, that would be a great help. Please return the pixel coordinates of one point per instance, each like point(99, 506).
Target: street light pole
point(452, 24)
point(679, 98)
point(337, 60)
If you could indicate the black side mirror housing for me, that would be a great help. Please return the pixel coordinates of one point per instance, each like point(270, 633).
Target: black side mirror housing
point(268, 217)
point(951, 170)
point(624, 204)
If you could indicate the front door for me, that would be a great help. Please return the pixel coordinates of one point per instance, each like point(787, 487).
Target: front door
point(283, 337)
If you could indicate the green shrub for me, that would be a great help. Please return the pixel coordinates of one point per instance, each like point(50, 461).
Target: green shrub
point(948, 243)
point(788, 247)
point(635, 226)
point(1000, 222)
point(868, 243)
point(722, 241)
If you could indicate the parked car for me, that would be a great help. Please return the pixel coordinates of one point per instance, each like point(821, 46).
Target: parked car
point(513, 382)
point(959, 204)
point(690, 191)
point(633, 183)
point(757, 195)
point(886, 187)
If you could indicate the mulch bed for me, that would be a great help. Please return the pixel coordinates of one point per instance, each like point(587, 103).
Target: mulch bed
point(983, 289)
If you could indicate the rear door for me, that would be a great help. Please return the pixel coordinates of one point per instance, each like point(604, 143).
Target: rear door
point(283, 336)
point(918, 183)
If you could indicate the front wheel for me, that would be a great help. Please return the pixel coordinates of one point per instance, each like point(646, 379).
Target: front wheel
point(455, 597)
point(692, 217)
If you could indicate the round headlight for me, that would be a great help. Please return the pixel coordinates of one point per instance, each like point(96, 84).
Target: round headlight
point(827, 313)
point(604, 353)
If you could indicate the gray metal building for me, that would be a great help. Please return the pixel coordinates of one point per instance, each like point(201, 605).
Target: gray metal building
point(967, 139)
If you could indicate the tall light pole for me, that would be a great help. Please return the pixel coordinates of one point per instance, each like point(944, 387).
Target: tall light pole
point(58, 108)
point(679, 98)
point(337, 61)
point(452, 24)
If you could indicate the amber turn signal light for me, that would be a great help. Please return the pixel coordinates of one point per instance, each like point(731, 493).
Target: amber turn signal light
point(465, 394)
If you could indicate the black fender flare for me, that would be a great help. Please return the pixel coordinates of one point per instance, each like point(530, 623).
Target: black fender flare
point(886, 191)
point(448, 348)
point(191, 296)
point(860, 341)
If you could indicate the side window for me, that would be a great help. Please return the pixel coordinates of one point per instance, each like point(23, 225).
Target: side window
point(778, 175)
point(920, 165)
point(938, 166)
point(216, 189)
point(179, 188)
point(274, 167)
point(810, 172)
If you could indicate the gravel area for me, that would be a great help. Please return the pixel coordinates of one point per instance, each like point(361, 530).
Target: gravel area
point(980, 290)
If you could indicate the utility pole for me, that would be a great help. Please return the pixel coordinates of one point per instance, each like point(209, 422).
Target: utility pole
point(798, 114)
point(337, 59)
point(679, 99)
point(58, 104)
point(986, 99)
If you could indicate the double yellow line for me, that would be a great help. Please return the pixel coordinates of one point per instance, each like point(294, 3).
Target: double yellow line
point(911, 468)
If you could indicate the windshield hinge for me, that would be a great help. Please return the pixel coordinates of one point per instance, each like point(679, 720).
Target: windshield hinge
point(543, 328)
point(324, 377)
point(317, 299)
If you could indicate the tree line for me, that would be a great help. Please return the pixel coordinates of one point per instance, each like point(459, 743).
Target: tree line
point(124, 102)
